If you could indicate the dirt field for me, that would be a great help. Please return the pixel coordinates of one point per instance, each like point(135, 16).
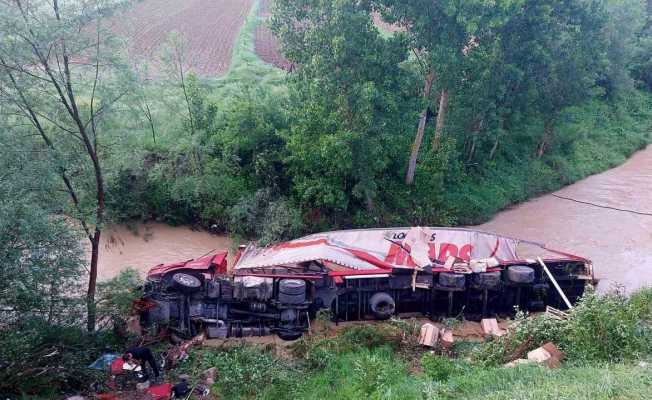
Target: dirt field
point(384, 26)
point(266, 44)
point(209, 28)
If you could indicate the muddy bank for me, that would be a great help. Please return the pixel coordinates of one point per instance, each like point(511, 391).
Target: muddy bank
point(145, 245)
point(619, 243)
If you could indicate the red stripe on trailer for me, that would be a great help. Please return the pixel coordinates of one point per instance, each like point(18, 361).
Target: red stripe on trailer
point(357, 272)
point(295, 245)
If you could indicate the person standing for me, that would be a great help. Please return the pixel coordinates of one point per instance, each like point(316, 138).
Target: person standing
point(142, 355)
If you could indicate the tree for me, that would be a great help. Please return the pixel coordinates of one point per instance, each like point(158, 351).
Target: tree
point(59, 74)
point(174, 59)
point(441, 33)
point(346, 93)
point(42, 259)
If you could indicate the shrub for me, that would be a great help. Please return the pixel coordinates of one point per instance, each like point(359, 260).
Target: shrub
point(41, 359)
point(266, 217)
point(441, 368)
point(525, 334)
point(248, 372)
point(608, 328)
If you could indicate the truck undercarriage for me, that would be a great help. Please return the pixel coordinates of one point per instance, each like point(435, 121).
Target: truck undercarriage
point(278, 289)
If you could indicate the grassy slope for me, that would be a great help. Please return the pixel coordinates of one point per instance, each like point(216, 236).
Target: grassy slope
point(246, 67)
point(590, 139)
point(380, 373)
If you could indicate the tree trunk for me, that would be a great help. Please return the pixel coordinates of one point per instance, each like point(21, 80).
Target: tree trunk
point(92, 282)
point(441, 118)
point(492, 153)
point(546, 139)
point(412, 164)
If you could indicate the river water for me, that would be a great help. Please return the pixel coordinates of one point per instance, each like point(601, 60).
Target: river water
point(619, 243)
point(142, 246)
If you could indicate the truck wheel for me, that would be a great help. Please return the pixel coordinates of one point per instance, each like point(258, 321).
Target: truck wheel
point(186, 282)
point(452, 280)
point(486, 280)
point(291, 291)
point(382, 305)
point(520, 274)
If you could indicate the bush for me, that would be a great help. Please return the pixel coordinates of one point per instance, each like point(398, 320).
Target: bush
point(609, 328)
point(41, 359)
point(247, 372)
point(525, 334)
point(265, 217)
point(441, 368)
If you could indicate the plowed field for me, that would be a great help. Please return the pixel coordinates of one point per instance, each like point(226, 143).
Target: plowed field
point(209, 29)
point(266, 44)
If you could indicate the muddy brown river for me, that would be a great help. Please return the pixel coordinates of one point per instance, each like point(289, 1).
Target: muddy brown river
point(619, 243)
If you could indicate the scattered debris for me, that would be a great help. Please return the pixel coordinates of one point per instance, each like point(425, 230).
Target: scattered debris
point(447, 339)
point(179, 352)
point(556, 314)
point(517, 362)
point(133, 325)
point(490, 327)
point(538, 355)
point(208, 376)
point(429, 335)
point(547, 354)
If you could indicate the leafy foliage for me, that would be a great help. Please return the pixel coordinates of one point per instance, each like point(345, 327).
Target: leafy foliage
point(608, 328)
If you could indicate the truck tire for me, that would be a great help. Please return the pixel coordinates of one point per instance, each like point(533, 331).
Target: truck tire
point(291, 291)
point(486, 280)
point(186, 282)
point(382, 305)
point(292, 286)
point(452, 280)
point(520, 274)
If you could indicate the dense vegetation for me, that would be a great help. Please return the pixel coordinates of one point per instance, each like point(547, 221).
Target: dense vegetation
point(538, 95)
point(604, 341)
point(469, 107)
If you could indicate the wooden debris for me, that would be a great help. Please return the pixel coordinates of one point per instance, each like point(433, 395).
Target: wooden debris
point(446, 338)
point(490, 327)
point(556, 314)
point(429, 335)
point(547, 354)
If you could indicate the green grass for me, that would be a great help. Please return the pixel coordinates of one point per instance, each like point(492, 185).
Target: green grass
point(252, 373)
point(383, 361)
point(246, 67)
point(589, 139)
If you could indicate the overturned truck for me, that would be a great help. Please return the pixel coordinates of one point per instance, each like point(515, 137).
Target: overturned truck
point(357, 275)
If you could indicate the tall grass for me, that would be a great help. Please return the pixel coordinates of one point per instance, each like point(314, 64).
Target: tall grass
point(380, 362)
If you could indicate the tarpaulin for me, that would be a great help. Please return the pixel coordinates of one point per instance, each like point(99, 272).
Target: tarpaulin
point(366, 249)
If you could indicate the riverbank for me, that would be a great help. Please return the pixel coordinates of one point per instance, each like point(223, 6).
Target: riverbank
point(619, 243)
